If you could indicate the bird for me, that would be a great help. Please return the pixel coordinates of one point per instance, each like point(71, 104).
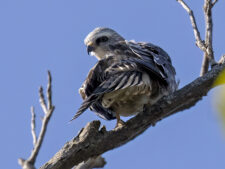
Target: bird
point(127, 76)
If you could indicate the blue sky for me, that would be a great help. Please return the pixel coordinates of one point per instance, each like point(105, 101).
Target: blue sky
point(36, 36)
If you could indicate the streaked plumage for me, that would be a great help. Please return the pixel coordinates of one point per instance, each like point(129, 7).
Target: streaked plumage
point(127, 76)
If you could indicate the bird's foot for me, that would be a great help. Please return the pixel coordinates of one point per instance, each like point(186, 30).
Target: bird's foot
point(120, 123)
point(146, 107)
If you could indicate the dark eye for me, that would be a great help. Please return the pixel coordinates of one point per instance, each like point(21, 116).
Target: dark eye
point(101, 39)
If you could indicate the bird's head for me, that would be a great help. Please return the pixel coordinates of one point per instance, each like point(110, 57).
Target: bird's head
point(98, 42)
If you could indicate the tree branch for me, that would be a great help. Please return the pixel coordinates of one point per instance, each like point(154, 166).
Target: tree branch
point(48, 110)
point(33, 126)
point(198, 39)
point(209, 54)
point(92, 141)
point(214, 2)
point(206, 46)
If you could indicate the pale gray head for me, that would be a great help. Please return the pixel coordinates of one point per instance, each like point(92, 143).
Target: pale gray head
point(99, 40)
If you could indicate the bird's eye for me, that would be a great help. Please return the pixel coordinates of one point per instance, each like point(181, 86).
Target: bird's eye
point(101, 39)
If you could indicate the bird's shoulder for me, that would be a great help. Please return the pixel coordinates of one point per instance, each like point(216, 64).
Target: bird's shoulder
point(148, 49)
point(97, 74)
point(158, 58)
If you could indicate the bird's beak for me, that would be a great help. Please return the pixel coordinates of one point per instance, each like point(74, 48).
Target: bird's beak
point(90, 49)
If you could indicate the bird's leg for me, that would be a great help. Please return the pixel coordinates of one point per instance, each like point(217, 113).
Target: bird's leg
point(146, 107)
point(119, 122)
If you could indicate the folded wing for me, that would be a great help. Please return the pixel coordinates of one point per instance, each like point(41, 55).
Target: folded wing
point(112, 74)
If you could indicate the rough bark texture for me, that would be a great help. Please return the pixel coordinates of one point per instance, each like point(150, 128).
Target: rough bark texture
point(93, 140)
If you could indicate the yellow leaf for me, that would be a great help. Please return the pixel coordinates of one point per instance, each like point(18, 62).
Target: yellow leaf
point(219, 97)
point(221, 79)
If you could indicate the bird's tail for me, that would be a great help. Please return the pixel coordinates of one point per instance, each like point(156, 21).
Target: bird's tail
point(84, 106)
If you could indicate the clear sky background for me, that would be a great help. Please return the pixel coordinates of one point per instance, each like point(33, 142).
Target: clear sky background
point(48, 34)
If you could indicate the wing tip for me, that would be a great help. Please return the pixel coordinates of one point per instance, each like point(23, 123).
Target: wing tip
point(76, 116)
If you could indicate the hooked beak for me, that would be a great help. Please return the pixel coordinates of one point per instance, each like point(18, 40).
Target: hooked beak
point(90, 49)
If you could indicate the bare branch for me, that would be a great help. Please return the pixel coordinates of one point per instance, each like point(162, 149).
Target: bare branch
point(33, 126)
point(25, 164)
point(92, 141)
point(205, 65)
point(209, 54)
point(206, 46)
point(48, 110)
point(214, 2)
point(48, 113)
point(198, 39)
point(42, 100)
point(222, 59)
point(49, 91)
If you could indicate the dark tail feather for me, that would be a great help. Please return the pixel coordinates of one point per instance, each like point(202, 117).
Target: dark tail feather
point(85, 105)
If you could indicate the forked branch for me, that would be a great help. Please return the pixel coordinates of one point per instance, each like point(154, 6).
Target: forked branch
point(48, 110)
point(205, 46)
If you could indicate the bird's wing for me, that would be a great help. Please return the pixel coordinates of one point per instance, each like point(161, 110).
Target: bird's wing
point(102, 112)
point(117, 76)
point(95, 77)
point(158, 58)
point(112, 74)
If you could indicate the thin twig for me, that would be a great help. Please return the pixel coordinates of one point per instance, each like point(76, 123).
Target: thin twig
point(49, 91)
point(205, 46)
point(48, 110)
point(33, 126)
point(48, 113)
point(208, 57)
point(214, 2)
point(198, 39)
point(222, 59)
point(42, 100)
point(208, 38)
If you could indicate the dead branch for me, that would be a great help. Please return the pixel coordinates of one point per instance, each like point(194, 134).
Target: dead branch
point(93, 140)
point(48, 110)
point(33, 126)
point(209, 55)
point(198, 39)
point(205, 46)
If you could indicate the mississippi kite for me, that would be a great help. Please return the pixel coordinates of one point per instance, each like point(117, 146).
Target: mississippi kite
point(127, 76)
